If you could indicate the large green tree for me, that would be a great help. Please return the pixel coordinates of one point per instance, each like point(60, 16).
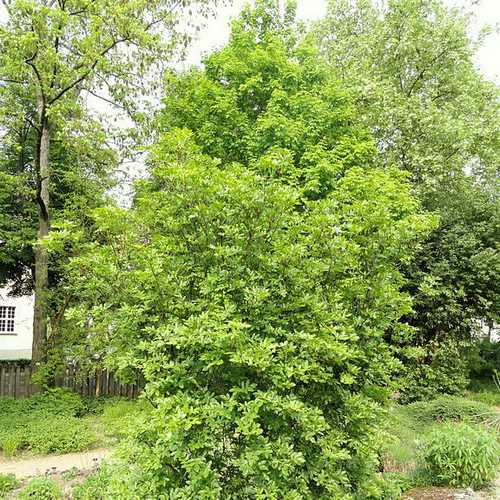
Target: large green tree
point(253, 280)
point(51, 53)
point(410, 63)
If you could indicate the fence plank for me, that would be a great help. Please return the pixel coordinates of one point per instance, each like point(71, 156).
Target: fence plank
point(15, 382)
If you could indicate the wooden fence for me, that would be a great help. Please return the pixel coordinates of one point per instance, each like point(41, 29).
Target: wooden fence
point(15, 382)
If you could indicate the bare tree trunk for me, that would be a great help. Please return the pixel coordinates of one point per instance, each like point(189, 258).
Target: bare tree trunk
point(41, 254)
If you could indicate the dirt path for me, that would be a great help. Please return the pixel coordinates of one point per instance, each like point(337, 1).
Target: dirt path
point(39, 466)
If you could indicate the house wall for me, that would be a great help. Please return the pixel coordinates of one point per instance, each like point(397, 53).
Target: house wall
point(487, 330)
point(17, 345)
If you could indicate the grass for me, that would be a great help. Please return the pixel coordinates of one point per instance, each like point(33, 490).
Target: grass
point(411, 427)
point(61, 422)
point(484, 391)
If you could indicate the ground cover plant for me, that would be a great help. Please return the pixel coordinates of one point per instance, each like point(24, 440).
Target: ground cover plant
point(7, 483)
point(449, 441)
point(42, 488)
point(45, 423)
point(60, 421)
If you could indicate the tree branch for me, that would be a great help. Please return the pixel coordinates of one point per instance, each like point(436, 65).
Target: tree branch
point(109, 101)
point(10, 80)
point(88, 72)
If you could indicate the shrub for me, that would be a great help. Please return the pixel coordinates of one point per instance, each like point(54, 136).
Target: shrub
point(263, 259)
point(484, 360)
point(41, 489)
point(7, 483)
point(460, 455)
point(431, 371)
point(449, 408)
point(269, 377)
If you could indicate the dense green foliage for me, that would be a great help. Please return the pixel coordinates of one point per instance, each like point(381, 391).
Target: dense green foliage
point(432, 369)
point(236, 364)
point(45, 423)
point(7, 483)
point(444, 427)
point(484, 360)
point(42, 488)
point(448, 408)
point(59, 421)
point(55, 160)
point(253, 285)
point(281, 272)
point(268, 101)
point(410, 63)
point(461, 455)
point(81, 166)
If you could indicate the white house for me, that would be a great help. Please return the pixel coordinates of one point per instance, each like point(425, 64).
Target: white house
point(16, 326)
point(488, 330)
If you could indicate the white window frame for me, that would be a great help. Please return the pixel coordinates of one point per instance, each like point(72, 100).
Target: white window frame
point(7, 320)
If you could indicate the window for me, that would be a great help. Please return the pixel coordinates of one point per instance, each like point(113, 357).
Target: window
point(7, 314)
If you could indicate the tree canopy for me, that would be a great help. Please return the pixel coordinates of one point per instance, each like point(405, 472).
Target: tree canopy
point(252, 286)
point(410, 64)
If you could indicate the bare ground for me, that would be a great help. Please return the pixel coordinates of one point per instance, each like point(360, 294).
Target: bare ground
point(53, 464)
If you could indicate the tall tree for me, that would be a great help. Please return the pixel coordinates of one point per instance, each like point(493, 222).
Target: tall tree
point(51, 51)
point(253, 280)
point(410, 62)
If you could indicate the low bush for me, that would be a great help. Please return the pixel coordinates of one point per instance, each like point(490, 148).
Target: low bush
point(41, 489)
point(448, 408)
point(460, 455)
point(7, 483)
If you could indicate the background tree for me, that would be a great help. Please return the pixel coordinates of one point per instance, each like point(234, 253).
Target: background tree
point(435, 116)
point(50, 52)
point(253, 280)
point(82, 173)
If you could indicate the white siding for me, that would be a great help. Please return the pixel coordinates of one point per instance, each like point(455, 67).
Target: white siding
point(483, 329)
point(18, 344)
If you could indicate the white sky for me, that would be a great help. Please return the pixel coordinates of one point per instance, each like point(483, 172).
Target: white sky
point(487, 12)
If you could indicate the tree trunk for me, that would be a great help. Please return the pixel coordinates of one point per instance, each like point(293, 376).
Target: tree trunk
point(41, 253)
